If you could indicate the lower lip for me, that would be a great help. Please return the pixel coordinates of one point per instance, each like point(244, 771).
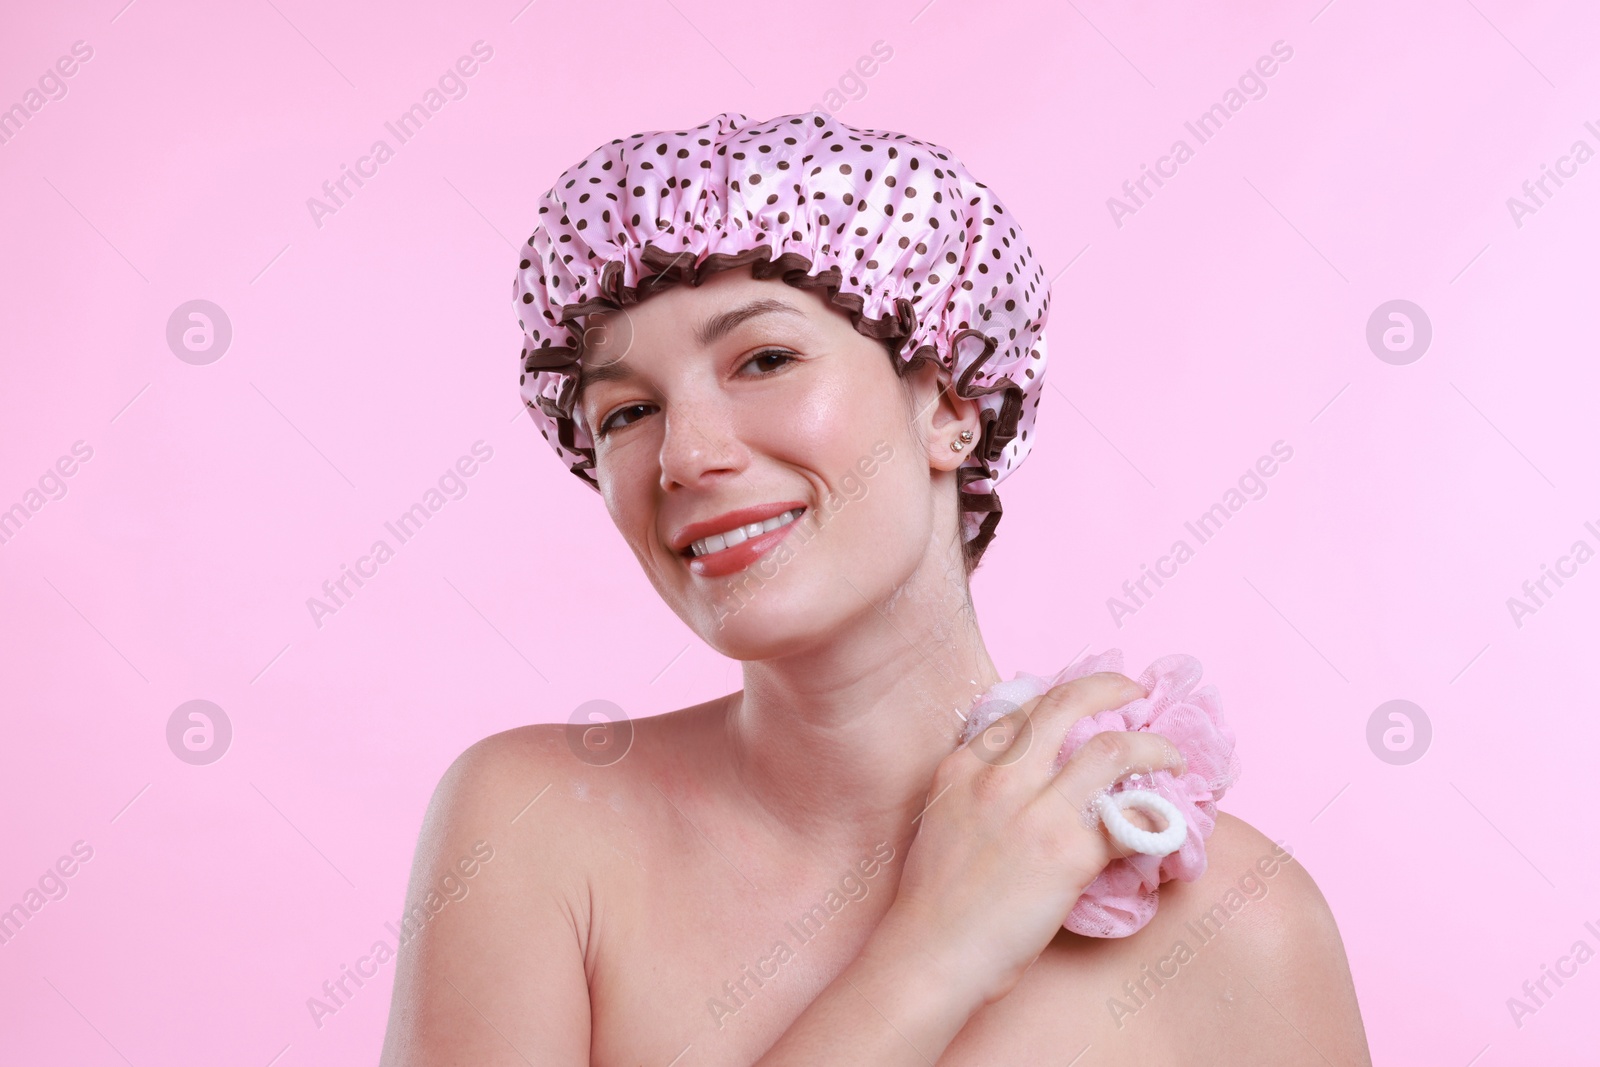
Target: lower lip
point(741, 555)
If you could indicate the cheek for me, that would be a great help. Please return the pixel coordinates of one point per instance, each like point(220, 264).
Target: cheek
point(627, 501)
point(839, 433)
point(830, 429)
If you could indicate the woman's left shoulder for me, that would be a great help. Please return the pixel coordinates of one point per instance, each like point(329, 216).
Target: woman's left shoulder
point(1258, 912)
point(1261, 882)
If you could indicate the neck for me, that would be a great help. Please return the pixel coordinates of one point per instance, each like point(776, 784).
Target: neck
point(838, 743)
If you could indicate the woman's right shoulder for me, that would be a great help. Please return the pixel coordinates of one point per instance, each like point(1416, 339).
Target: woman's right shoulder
point(572, 796)
point(501, 779)
point(511, 754)
point(499, 909)
point(527, 773)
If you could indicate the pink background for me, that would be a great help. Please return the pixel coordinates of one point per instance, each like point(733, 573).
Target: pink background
point(369, 353)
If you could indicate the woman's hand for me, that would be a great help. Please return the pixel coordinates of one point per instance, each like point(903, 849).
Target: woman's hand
point(1004, 850)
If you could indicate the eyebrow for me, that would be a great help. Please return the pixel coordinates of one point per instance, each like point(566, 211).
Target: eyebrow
point(714, 328)
point(709, 332)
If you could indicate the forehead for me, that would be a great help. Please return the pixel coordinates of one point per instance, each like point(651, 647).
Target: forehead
point(695, 315)
point(719, 290)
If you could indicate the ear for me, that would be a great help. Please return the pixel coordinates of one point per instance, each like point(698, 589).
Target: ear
point(939, 415)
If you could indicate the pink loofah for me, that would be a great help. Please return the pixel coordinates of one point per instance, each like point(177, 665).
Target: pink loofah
point(1123, 898)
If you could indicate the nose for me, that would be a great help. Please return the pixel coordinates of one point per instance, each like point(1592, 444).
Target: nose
point(701, 440)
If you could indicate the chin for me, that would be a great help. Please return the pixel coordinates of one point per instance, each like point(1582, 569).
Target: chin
point(750, 644)
point(765, 620)
point(771, 612)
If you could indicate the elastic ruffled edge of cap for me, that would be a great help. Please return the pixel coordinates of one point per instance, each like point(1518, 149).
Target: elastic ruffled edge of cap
point(998, 428)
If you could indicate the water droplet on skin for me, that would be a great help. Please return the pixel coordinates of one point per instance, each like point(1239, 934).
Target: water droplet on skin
point(1090, 815)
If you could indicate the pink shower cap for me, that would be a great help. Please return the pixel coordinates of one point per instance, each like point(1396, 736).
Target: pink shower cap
point(1123, 898)
point(891, 230)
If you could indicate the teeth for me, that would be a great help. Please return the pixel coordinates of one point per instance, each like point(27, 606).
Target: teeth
point(739, 534)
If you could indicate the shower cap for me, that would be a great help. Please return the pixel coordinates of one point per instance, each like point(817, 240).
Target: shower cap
point(1123, 897)
point(893, 231)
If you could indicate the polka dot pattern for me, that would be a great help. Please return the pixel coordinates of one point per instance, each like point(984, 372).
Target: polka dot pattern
point(891, 230)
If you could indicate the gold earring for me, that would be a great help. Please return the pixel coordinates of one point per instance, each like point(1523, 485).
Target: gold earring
point(966, 437)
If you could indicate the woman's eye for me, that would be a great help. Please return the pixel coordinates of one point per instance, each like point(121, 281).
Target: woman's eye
point(787, 357)
point(610, 421)
point(606, 423)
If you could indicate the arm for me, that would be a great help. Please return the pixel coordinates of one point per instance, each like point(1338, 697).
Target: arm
point(497, 977)
point(1001, 854)
point(494, 974)
point(893, 1006)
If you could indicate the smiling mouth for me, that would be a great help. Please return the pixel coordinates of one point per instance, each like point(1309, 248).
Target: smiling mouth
point(715, 543)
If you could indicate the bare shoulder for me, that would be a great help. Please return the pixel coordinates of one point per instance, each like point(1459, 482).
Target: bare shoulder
point(497, 915)
point(493, 772)
point(1270, 892)
point(510, 774)
point(556, 784)
point(1267, 927)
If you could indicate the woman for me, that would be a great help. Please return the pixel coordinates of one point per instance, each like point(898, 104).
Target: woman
point(810, 870)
